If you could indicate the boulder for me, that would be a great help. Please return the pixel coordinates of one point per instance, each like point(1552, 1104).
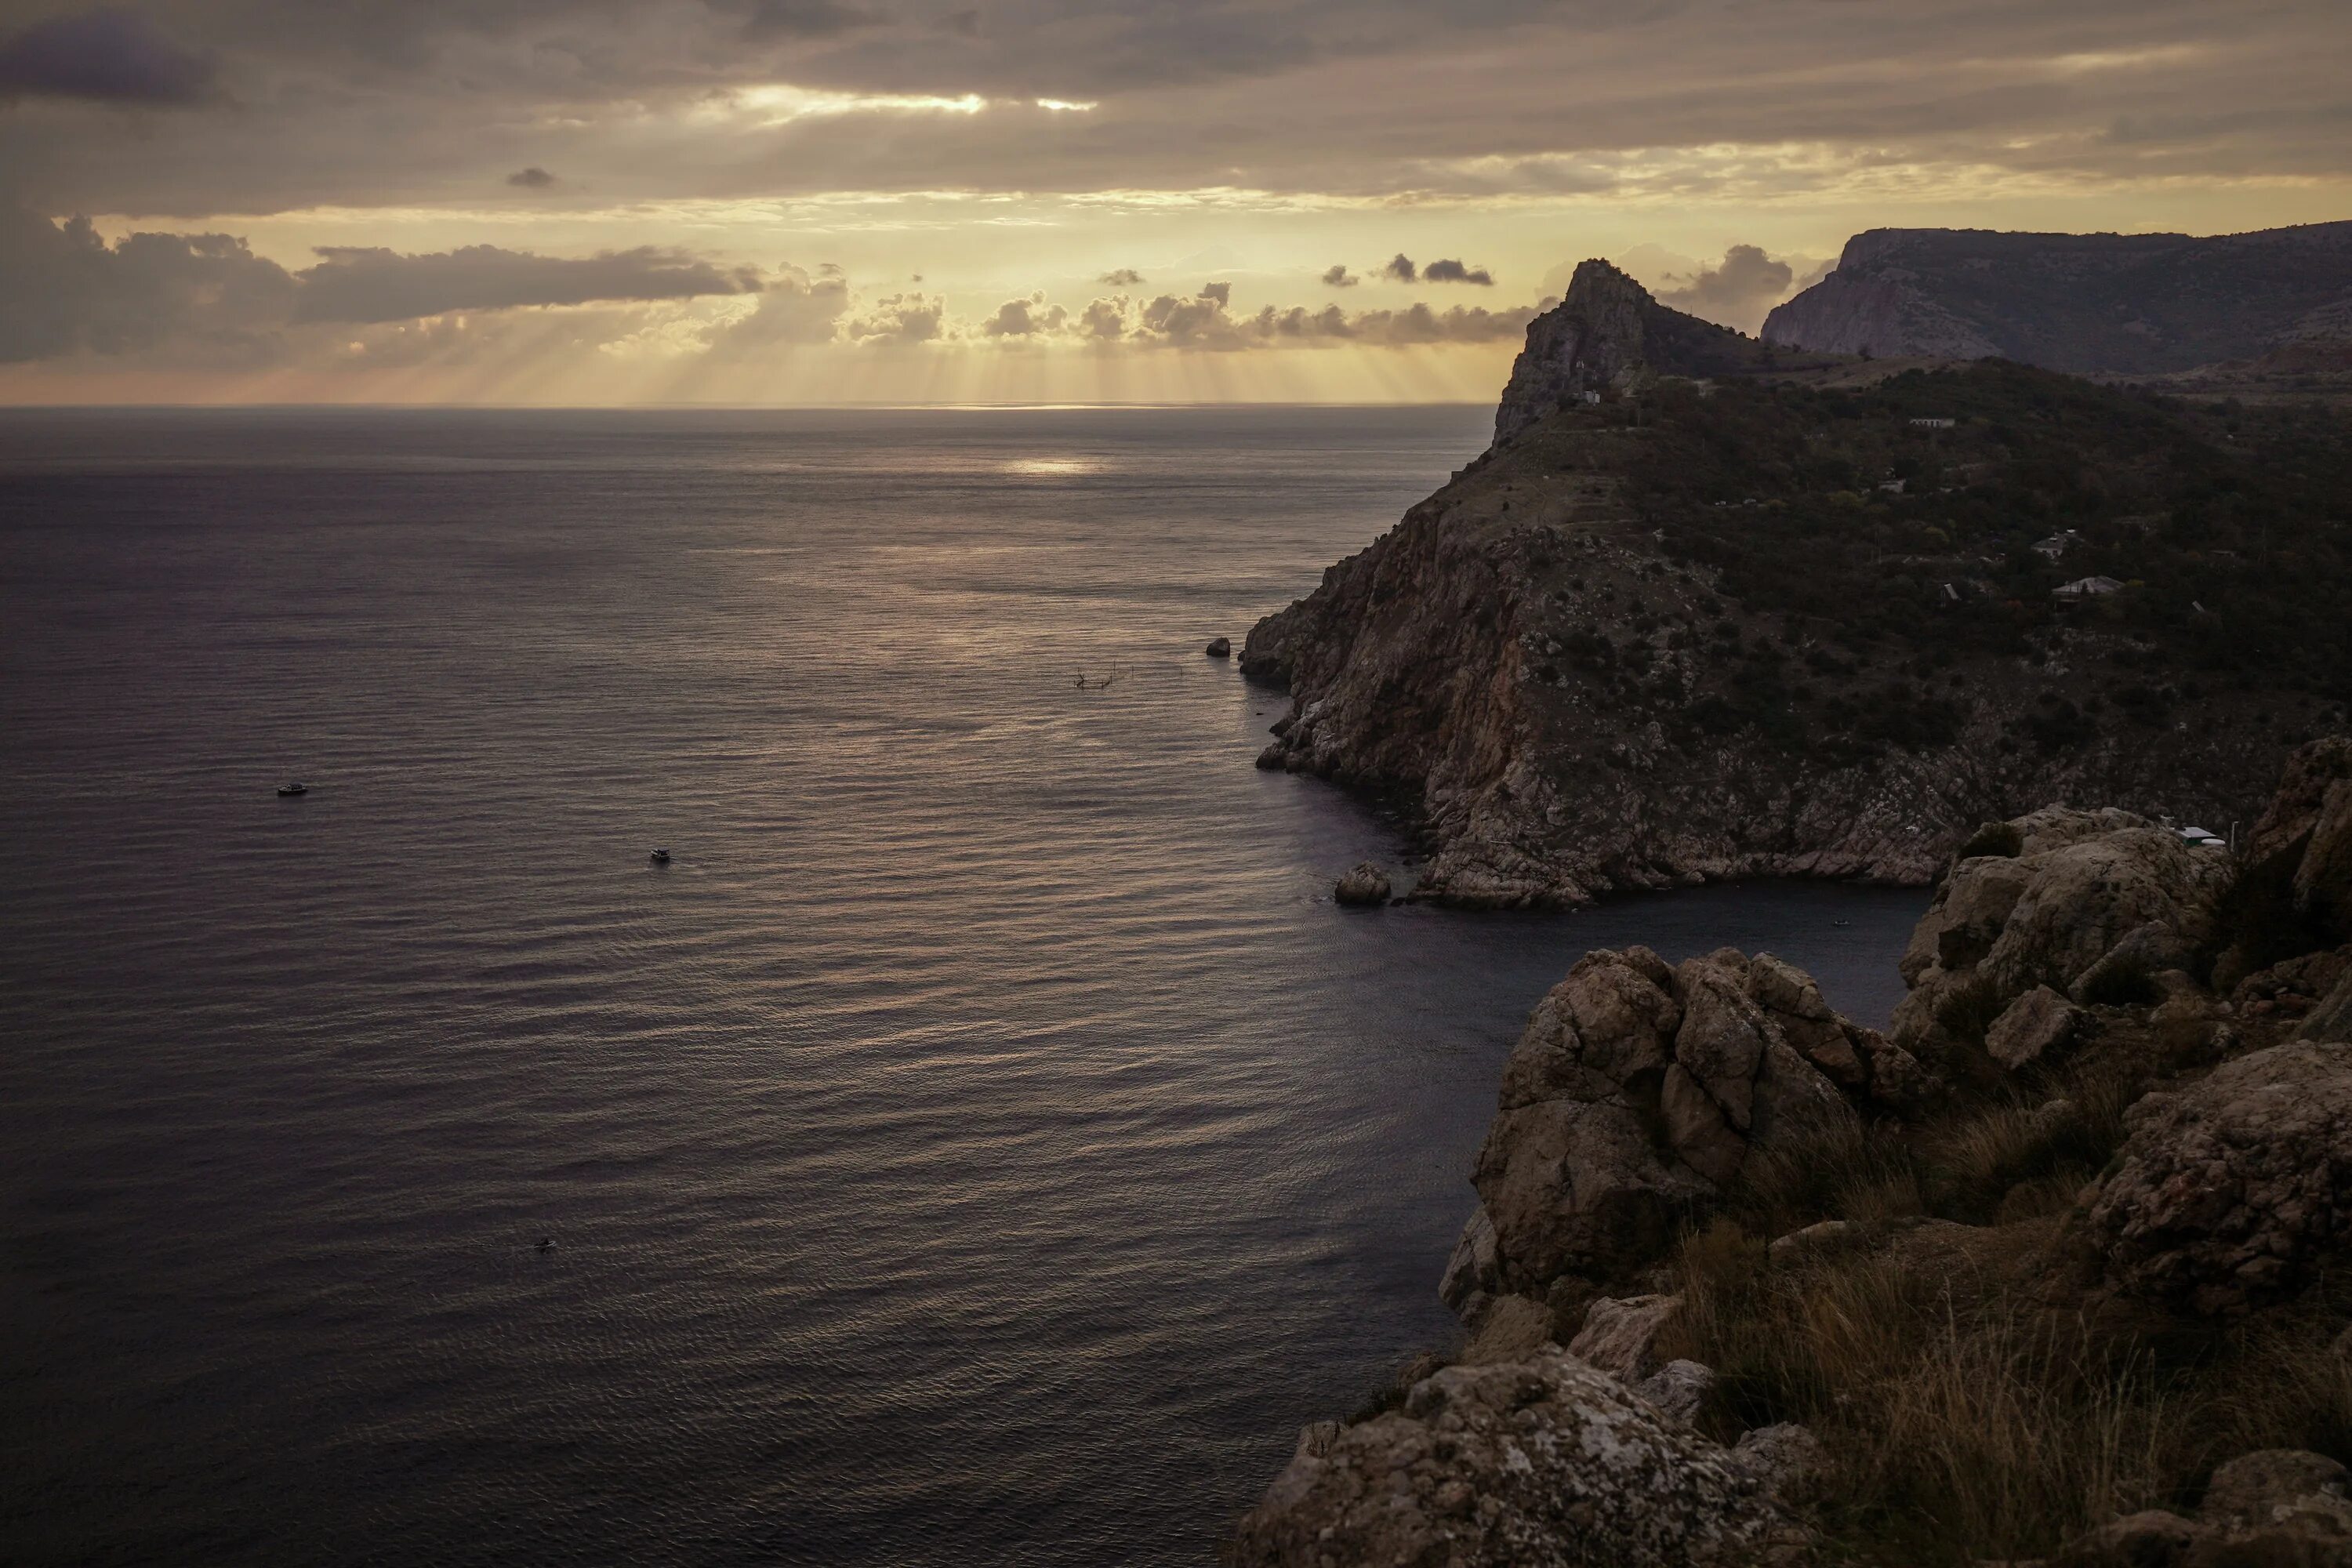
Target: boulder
point(2153, 1538)
point(1619, 1333)
point(2331, 1021)
point(2280, 1486)
point(2037, 1026)
point(1639, 1092)
point(1511, 1328)
point(1367, 885)
point(1220, 648)
point(1783, 1456)
point(2089, 888)
point(1678, 1389)
point(2236, 1190)
point(1545, 1463)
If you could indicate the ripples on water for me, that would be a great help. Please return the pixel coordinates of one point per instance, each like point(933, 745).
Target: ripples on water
point(981, 1144)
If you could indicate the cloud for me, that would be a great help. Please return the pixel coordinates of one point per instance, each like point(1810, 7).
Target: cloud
point(1124, 278)
point(64, 291)
point(900, 320)
point(532, 179)
point(1738, 291)
point(1447, 271)
point(1026, 318)
point(795, 309)
point(106, 56)
point(1413, 326)
point(805, 19)
point(356, 283)
point(1401, 269)
point(1337, 276)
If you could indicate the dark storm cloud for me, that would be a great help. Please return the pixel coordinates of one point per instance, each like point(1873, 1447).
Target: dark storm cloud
point(532, 179)
point(106, 56)
point(1450, 271)
point(356, 284)
point(805, 19)
point(65, 290)
point(1401, 269)
point(1337, 276)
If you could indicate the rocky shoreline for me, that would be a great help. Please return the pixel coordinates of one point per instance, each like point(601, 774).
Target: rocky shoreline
point(2113, 1113)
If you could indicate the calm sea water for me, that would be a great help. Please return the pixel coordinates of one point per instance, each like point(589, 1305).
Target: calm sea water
point(981, 1144)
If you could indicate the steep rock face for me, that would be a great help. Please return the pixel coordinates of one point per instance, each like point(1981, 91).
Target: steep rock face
point(2137, 304)
point(1637, 1093)
point(1603, 332)
point(1542, 1463)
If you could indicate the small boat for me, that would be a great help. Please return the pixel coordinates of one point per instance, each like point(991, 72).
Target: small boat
point(294, 788)
point(1841, 922)
point(659, 857)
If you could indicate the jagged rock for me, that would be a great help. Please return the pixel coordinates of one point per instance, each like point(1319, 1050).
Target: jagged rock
point(1220, 648)
point(1783, 1456)
point(1471, 1270)
point(1315, 1439)
point(2038, 1025)
point(2331, 1021)
point(2086, 885)
point(1638, 1091)
point(1618, 1335)
point(1367, 885)
point(1679, 1389)
point(2309, 824)
point(1545, 1463)
point(2235, 1190)
point(1605, 330)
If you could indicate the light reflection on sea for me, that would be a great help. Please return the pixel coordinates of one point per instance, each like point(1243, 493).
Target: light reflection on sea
point(982, 1143)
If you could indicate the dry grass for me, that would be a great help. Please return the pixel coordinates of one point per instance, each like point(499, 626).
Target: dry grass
point(1974, 1407)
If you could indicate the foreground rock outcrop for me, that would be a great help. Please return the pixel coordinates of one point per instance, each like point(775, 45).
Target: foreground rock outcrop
point(2236, 1190)
point(1637, 1093)
point(1545, 1463)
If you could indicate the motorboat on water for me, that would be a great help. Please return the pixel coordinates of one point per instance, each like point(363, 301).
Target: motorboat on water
point(659, 857)
point(295, 787)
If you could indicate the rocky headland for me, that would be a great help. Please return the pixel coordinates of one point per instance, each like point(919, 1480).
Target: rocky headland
point(2058, 1269)
point(1709, 609)
point(2140, 304)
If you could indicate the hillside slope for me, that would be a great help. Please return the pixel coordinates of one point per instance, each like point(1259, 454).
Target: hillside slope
point(1741, 626)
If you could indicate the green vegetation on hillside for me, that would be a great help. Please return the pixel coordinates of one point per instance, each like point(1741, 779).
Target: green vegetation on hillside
point(2230, 529)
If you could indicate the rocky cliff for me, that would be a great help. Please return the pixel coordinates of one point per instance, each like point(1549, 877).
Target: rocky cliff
point(2127, 304)
point(1704, 628)
point(2054, 1273)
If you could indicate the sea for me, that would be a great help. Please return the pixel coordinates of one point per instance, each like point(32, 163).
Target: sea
point(982, 1142)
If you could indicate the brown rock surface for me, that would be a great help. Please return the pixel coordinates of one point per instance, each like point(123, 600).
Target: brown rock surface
point(1546, 1463)
point(2237, 1189)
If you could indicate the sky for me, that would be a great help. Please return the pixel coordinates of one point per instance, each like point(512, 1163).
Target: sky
point(807, 201)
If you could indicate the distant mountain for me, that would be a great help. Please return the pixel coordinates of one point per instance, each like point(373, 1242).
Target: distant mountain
point(2143, 304)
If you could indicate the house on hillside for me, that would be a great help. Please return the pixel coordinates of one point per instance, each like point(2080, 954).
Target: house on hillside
point(1932, 424)
point(2057, 544)
point(2087, 588)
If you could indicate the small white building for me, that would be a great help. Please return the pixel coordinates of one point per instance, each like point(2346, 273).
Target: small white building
point(2087, 588)
point(1891, 487)
point(1932, 424)
point(1591, 397)
point(2057, 544)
